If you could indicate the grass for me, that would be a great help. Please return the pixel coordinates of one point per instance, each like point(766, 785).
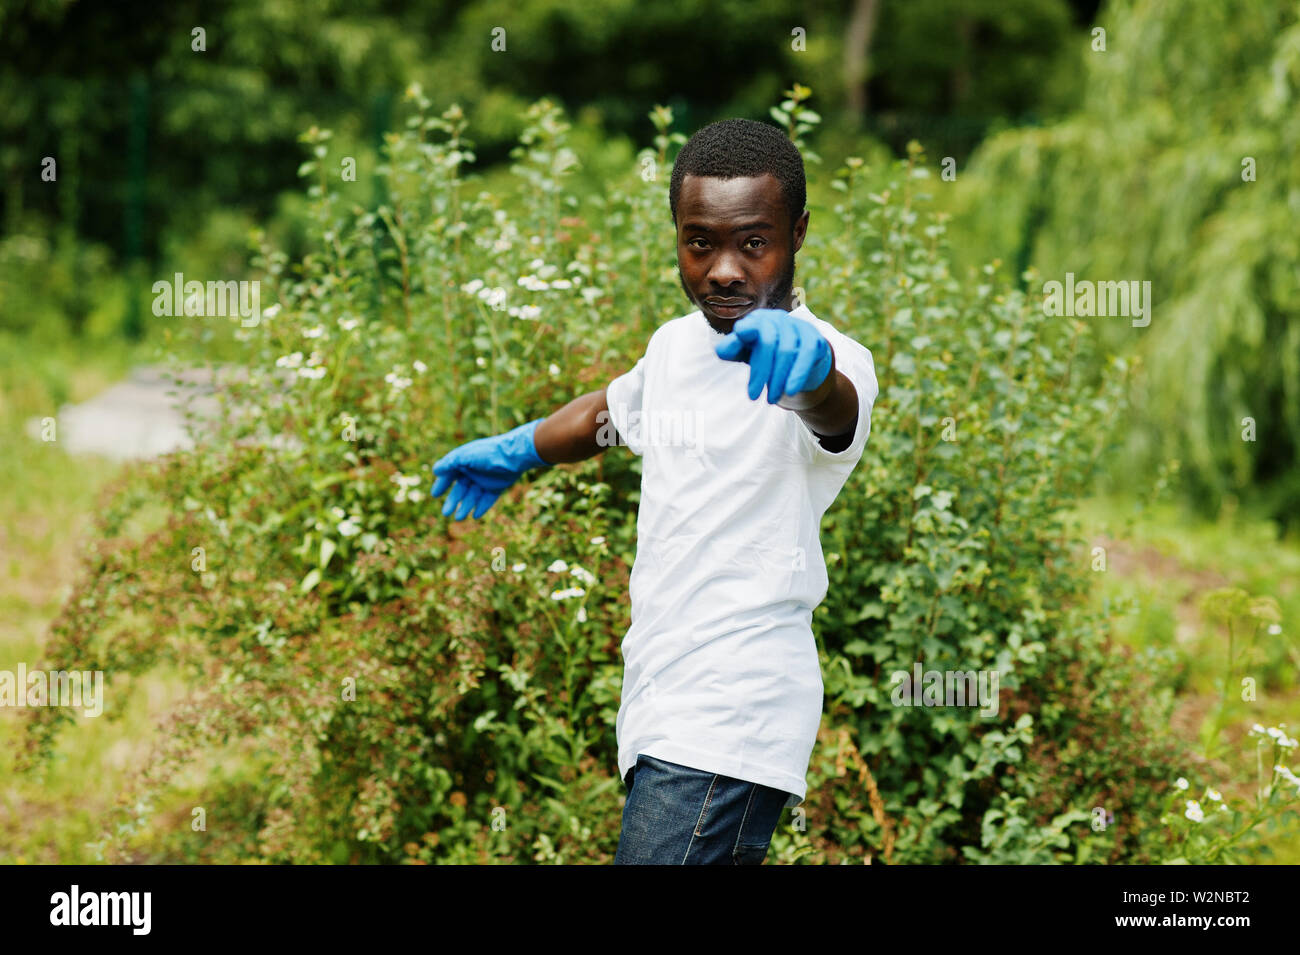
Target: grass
point(47, 500)
point(1160, 565)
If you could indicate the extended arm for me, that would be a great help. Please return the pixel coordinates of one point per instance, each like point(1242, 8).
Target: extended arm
point(479, 472)
point(571, 433)
point(830, 411)
point(796, 364)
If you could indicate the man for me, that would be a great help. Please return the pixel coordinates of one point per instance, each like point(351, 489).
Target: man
point(722, 689)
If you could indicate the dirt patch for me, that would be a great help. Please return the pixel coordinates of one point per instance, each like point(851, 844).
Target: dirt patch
point(1125, 559)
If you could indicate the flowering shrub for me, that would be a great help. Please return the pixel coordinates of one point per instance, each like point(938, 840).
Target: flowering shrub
point(396, 687)
point(1215, 830)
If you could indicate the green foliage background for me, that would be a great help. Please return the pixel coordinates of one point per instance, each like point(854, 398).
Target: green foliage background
point(1149, 180)
point(482, 723)
point(367, 682)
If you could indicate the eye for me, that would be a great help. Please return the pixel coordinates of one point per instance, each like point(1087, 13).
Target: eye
point(755, 238)
point(690, 245)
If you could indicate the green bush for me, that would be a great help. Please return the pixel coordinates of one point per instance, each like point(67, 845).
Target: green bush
point(52, 290)
point(400, 688)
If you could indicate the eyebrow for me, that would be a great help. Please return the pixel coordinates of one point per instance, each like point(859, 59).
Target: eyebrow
point(747, 227)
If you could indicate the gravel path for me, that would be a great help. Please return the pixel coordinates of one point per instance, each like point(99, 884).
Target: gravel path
point(139, 417)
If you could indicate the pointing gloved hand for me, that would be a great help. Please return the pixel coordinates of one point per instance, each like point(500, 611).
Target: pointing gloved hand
point(480, 471)
point(785, 353)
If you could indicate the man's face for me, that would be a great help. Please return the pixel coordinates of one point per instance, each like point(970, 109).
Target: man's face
point(735, 246)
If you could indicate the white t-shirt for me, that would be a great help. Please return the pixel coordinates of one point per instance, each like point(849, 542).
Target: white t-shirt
point(720, 667)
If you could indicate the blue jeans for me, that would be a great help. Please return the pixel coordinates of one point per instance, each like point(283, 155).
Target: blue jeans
point(675, 815)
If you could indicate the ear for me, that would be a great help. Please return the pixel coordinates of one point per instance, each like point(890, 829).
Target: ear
point(800, 230)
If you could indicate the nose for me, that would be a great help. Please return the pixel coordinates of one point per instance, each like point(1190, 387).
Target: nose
point(725, 270)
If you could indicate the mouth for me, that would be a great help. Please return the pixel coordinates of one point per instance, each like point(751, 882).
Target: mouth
point(728, 307)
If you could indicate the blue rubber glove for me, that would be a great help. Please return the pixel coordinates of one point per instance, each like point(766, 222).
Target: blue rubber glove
point(785, 353)
point(480, 471)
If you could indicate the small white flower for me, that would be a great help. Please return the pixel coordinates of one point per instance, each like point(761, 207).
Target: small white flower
point(289, 361)
point(472, 286)
point(582, 615)
point(311, 372)
point(419, 366)
point(1287, 775)
point(558, 567)
point(561, 283)
point(553, 368)
point(600, 539)
point(1213, 794)
point(583, 574)
point(1275, 628)
point(349, 527)
point(406, 487)
point(271, 311)
point(1194, 812)
point(566, 594)
point(1256, 730)
point(338, 512)
point(1181, 783)
point(397, 381)
point(529, 312)
point(315, 331)
point(519, 568)
point(347, 324)
point(481, 361)
point(501, 245)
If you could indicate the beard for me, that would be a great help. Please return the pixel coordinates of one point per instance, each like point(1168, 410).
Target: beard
point(773, 299)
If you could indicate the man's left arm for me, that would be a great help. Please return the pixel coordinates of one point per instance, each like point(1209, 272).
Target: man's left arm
point(830, 411)
point(796, 364)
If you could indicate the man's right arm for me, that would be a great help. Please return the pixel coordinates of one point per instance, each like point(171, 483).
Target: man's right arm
point(572, 433)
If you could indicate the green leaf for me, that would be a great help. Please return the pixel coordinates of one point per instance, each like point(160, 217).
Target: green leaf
point(872, 610)
point(327, 548)
point(310, 581)
point(546, 780)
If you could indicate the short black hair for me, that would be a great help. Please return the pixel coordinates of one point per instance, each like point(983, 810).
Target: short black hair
point(732, 148)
